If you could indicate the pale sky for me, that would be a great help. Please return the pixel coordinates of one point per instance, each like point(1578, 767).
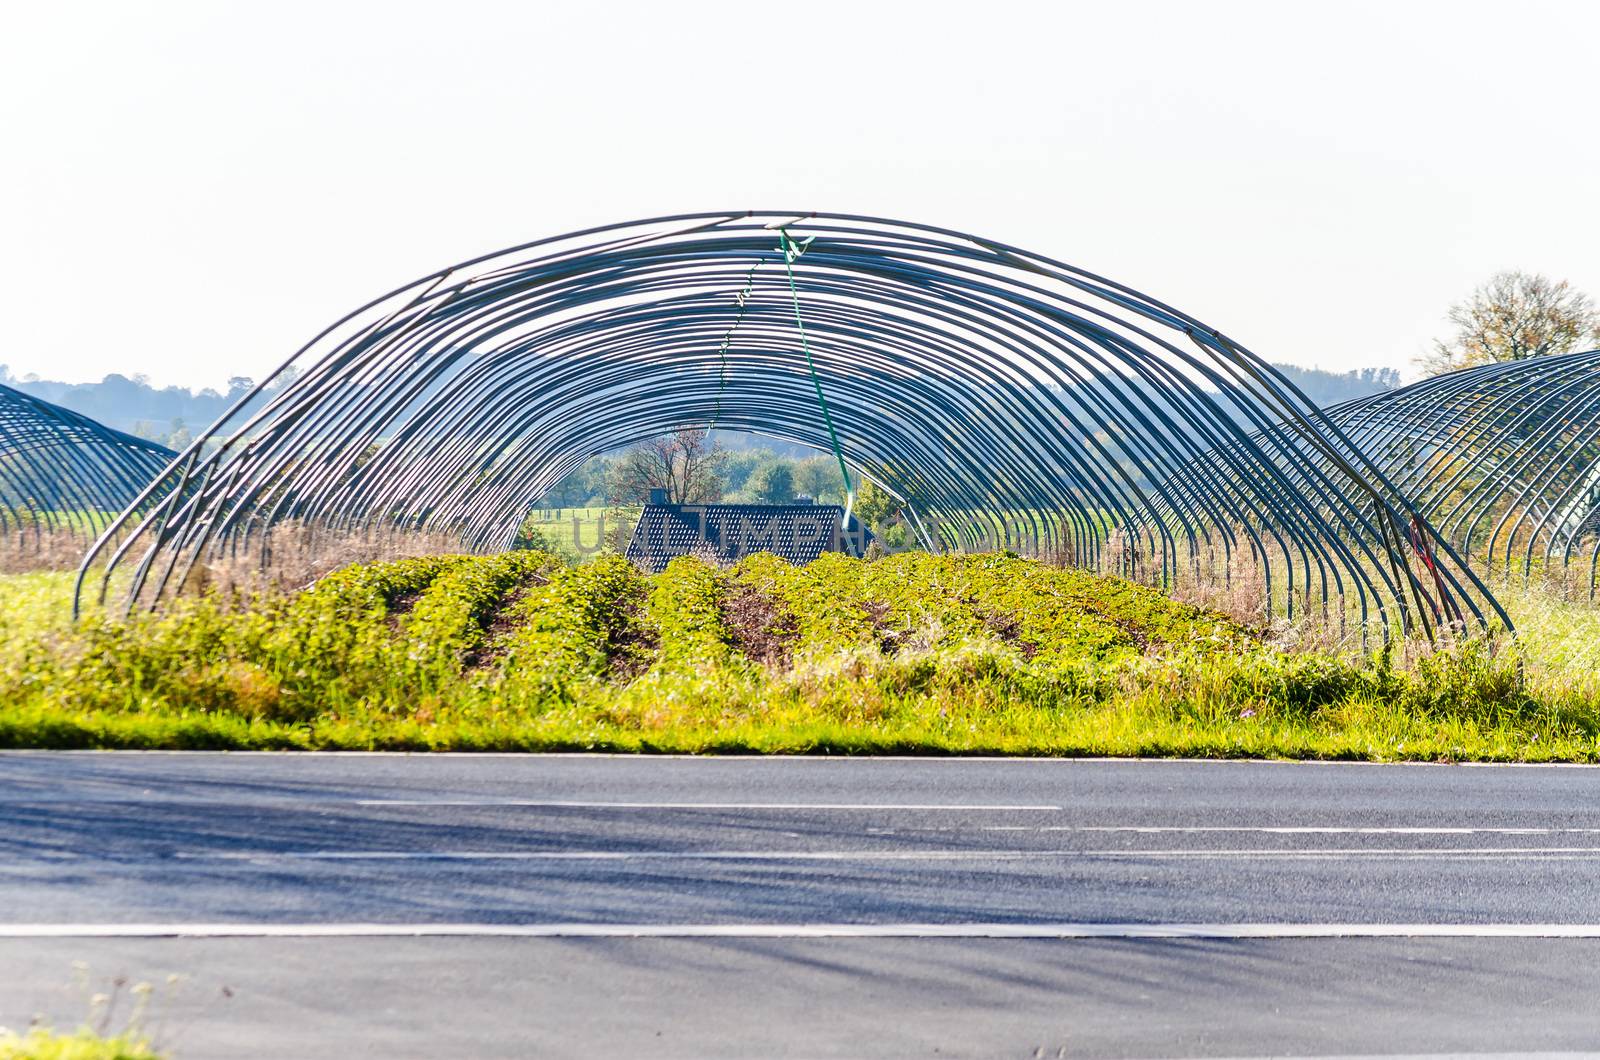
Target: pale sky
point(192, 190)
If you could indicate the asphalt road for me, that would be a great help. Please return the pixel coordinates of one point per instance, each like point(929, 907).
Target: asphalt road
point(383, 905)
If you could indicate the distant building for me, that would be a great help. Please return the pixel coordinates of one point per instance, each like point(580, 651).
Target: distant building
point(725, 533)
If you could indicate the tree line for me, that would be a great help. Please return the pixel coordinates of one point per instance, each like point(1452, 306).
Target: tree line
point(695, 467)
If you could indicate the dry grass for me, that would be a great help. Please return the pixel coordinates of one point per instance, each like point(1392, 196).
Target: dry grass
point(1234, 583)
point(35, 549)
point(293, 555)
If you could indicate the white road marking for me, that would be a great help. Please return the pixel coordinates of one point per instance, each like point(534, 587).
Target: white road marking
point(1354, 853)
point(978, 808)
point(1141, 829)
point(1318, 829)
point(573, 804)
point(898, 829)
point(1434, 1056)
point(803, 931)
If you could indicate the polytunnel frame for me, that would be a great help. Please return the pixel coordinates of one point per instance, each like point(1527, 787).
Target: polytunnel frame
point(1081, 395)
point(54, 461)
point(1500, 458)
point(1523, 439)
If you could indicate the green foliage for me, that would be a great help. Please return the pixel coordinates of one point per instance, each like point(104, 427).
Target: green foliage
point(1067, 615)
point(738, 466)
point(771, 482)
point(824, 598)
point(583, 487)
point(874, 507)
point(40, 1043)
point(448, 620)
point(110, 1031)
point(537, 535)
point(34, 603)
point(333, 642)
point(1052, 616)
point(815, 476)
point(575, 534)
point(916, 652)
point(685, 611)
point(571, 629)
point(283, 660)
point(818, 478)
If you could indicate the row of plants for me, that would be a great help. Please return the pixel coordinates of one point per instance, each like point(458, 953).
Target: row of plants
point(916, 652)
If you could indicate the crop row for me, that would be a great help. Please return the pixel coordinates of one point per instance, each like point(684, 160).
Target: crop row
point(525, 627)
point(506, 641)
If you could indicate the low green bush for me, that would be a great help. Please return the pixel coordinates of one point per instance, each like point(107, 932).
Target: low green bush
point(572, 629)
point(40, 1043)
point(827, 605)
point(449, 620)
point(685, 610)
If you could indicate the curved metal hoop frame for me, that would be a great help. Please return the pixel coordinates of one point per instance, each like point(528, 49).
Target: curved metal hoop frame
point(62, 471)
point(1005, 398)
point(1504, 458)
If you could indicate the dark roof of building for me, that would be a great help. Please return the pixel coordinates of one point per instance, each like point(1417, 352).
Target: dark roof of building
point(723, 533)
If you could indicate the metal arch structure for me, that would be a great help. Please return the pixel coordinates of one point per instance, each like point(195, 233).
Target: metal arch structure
point(62, 471)
point(1004, 397)
point(1503, 458)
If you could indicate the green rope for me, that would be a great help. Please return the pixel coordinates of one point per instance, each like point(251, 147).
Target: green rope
point(743, 298)
point(792, 250)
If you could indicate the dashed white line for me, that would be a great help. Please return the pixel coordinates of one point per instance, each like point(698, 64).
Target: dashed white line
point(1355, 853)
point(574, 804)
point(1320, 829)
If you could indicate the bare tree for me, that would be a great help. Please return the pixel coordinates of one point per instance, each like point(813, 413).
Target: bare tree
point(1514, 316)
point(687, 464)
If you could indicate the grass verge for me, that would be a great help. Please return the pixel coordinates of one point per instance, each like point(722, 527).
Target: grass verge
point(914, 654)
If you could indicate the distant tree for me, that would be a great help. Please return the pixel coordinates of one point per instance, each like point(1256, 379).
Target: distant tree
point(772, 482)
point(1330, 388)
point(874, 507)
point(818, 477)
point(739, 464)
point(686, 463)
point(1514, 316)
point(583, 487)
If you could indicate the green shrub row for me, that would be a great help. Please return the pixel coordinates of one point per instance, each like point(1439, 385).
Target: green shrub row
point(572, 629)
point(824, 597)
point(447, 622)
point(685, 612)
